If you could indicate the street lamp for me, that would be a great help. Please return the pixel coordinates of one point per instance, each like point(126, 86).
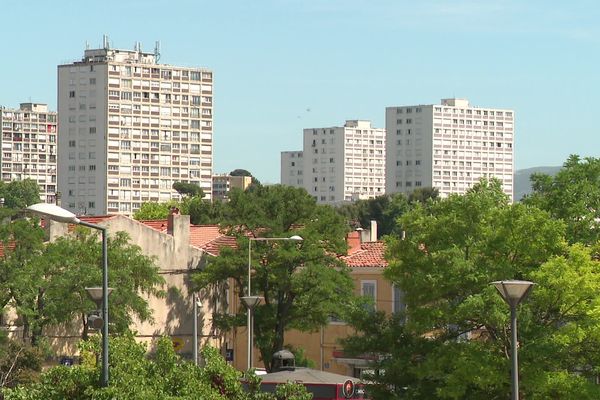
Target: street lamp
point(252, 301)
point(196, 306)
point(514, 292)
point(56, 213)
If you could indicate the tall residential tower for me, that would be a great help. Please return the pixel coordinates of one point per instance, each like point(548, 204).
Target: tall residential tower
point(129, 128)
point(341, 163)
point(449, 146)
point(29, 146)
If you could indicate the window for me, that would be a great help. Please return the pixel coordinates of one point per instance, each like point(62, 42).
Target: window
point(368, 289)
point(72, 94)
point(398, 304)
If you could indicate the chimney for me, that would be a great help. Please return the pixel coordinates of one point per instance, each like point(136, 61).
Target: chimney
point(353, 241)
point(171, 219)
point(373, 237)
point(178, 226)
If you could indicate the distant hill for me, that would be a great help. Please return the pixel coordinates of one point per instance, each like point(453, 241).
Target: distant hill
point(522, 186)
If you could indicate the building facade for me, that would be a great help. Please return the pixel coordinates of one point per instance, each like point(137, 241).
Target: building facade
point(339, 164)
point(449, 146)
point(292, 168)
point(130, 128)
point(29, 146)
point(222, 184)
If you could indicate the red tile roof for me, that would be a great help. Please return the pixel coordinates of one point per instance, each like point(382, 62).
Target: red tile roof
point(96, 219)
point(210, 238)
point(371, 254)
point(156, 224)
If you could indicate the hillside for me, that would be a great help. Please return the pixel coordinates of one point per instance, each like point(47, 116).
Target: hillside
point(522, 186)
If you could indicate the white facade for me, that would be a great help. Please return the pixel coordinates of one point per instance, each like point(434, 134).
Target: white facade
point(449, 146)
point(29, 146)
point(340, 163)
point(129, 129)
point(292, 168)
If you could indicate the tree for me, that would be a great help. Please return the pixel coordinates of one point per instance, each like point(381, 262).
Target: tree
point(202, 211)
point(45, 284)
point(572, 195)
point(453, 340)
point(384, 209)
point(20, 194)
point(423, 194)
point(136, 376)
point(303, 284)
point(152, 210)
point(186, 189)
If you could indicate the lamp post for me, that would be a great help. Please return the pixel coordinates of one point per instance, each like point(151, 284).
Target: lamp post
point(514, 292)
point(59, 214)
point(197, 305)
point(252, 301)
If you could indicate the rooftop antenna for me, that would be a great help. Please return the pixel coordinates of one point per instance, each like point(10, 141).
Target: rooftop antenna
point(105, 44)
point(157, 50)
point(87, 45)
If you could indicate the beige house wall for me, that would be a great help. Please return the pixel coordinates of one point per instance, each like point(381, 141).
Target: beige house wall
point(172, 315)
point(323, 347)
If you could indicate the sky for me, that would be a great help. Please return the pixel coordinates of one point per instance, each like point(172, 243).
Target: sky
point(282, 66)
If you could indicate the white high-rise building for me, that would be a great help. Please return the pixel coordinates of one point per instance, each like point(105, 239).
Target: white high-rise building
point(129, 128)
point(29, 146)
point(338, 164)
point(449, 146)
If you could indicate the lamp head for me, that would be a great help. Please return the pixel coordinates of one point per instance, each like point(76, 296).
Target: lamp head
point(513, 291)
point(53, 212)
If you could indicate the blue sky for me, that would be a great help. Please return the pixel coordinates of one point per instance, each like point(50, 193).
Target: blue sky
point(281, 66)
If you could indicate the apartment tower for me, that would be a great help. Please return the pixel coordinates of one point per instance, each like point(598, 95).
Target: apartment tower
point(29, 146)
point(337, 164)
point(129, 128)
point(449, 146)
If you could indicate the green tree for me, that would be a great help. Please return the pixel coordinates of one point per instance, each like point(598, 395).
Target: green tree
point(453, 341)
point(45, 284)
point(19, 363)
point(135, 376)
point(572, 195)
point(303, 284)
point(384, 209)
point(187, 189)
point(20, 194)
point(202, 211)
point(152, 210)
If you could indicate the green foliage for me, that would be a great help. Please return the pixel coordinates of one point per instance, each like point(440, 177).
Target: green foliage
point(153, 210)
point(19, 363)
point(202, 211)
point(303, 283)
point(20, 194)
point(384, 209)
point(455, 340)
point(300, 358)
point(572, 195)
point(135, 376)
point(188, 189)
point(45, 284)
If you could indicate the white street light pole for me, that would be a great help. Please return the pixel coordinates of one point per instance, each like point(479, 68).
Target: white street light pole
point(514, 292)
point(59, 214)
point(252, 301)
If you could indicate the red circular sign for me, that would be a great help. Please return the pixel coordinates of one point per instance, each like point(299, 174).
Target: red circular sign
point(348, 389)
